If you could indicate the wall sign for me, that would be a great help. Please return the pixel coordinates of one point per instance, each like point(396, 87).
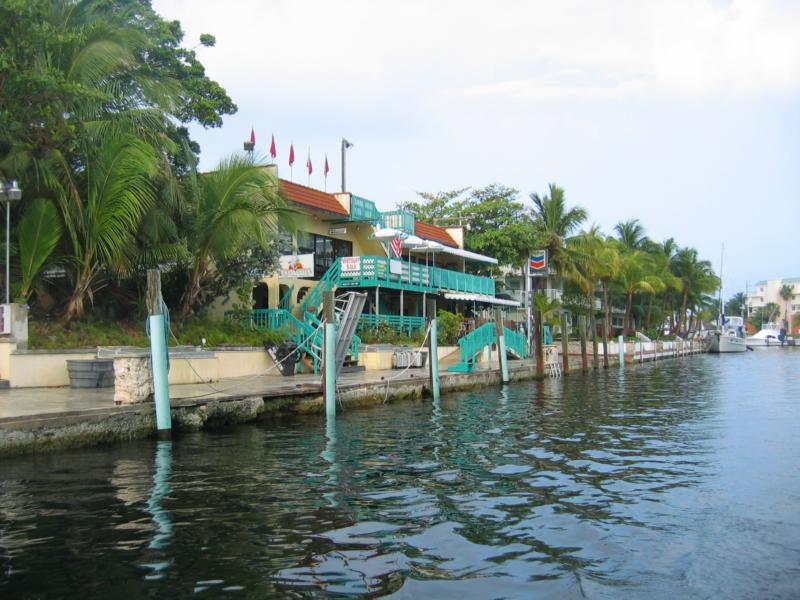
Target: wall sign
point(337, 231)
point(296, 265)
point(537, 263)
point(395, 267)
point(351, 266)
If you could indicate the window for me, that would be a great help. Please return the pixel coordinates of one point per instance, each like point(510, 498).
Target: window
point(326, 250)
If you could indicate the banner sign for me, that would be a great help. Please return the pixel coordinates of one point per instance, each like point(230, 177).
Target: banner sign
point(397, 246)
point(351, 266)
point(537, 263)
point(296, 265)
point(395, 267)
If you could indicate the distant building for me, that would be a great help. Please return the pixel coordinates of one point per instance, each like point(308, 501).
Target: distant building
point(768, 290)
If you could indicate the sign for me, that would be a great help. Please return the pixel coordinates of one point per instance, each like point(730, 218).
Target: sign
point(537, 263)
point(397, 246)
point(395, 267)
point(351, 266)
point(296, 265)
point(337, 231)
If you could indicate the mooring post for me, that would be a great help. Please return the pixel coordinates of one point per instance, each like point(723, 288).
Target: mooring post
point(621, 343)
point(537, 332)
point(433, 349)
point(605, 343)
point(564, 343)
point(329, 345)
point(158, 353)
point(501, 344)
point(582, 333)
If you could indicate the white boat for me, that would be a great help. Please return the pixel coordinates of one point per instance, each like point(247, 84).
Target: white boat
point(729, 338)
point(770, 336)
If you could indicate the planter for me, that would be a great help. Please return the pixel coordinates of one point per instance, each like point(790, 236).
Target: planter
point(95, 373)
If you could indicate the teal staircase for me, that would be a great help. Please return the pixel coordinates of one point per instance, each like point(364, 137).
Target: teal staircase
point(471, 346)
point(328, 283)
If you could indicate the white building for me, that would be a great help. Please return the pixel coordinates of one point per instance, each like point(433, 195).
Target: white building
point(768, 290)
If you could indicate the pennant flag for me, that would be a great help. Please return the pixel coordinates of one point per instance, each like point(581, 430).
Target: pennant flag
point(327, 168)
point(252, 136)
point(272, 150)
point(308, 163)
point(291, 154)
point(397, 246)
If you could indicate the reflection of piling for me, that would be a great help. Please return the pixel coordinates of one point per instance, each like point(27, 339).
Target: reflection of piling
point(433, 350)
point(158, 352)
point(329, 347)
point(501, 344)
point(161, 489)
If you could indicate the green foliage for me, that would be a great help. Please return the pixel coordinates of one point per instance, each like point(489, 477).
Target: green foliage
point(449, 325)
point(764, 314)
point(384, 333)
point(39, 231)
point(736, 304)
point(92, 332)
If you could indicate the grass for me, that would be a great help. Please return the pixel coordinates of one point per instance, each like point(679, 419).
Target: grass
point(92, 332)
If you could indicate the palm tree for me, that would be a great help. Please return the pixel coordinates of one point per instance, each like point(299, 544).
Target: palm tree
point(585, 259)
point(236, 204)
point(736, 305)
point(635, 274)
point(697, 278)
point(556, 222)
point(102, 212)
point(786, 293)
point(631, 234)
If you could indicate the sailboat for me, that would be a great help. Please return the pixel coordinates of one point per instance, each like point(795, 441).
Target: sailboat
point(729, 336)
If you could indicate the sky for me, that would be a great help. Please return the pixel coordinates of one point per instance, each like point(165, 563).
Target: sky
point(681, 113)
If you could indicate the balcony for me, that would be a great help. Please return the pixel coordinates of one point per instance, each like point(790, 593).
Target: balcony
point(373, 271)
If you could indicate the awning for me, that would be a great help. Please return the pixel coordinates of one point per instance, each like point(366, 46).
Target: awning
point(480, 298)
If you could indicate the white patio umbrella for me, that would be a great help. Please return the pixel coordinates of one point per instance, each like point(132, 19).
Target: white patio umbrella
point(388, 233)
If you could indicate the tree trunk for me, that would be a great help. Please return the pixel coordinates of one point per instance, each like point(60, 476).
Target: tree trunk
point(626, 330)
point(75, 305)
point(682, 313)
point(192, 291)
point(593, 324)
point(649, 311)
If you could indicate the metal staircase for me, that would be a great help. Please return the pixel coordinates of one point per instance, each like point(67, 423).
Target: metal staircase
point(471, 346)
point(348, 312)
point(328, 283)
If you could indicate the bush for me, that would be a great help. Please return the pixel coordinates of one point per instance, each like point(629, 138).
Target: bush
point(383, 333)
point(449, 327)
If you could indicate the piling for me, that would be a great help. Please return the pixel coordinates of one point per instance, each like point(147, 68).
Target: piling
point(582, 333)
point(621, 344)
point(433, 348)
point(329, 346)
point(564, 344)
point(158, 353)
point(501, 344)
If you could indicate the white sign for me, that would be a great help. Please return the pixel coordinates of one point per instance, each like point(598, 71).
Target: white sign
point(337, 231)
point(296, 265)
point(351, 266)
point(395, 267)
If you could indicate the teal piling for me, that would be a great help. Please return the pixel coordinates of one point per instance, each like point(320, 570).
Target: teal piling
point(501, 344)
point(433, 346)
point(330, 354)
point(158, 353)
point(621, 342)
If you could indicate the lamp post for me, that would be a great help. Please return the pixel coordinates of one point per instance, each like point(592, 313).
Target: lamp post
point(9, 192)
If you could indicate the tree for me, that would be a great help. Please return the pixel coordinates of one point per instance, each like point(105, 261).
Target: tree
point(736, 304)
point(786, 293)
point(442, 208)
point(635, 274)
point(631, 234)
point(39, 232)
point(556, 222)
point(764, 314)
point(696, 277)
point(235, 205)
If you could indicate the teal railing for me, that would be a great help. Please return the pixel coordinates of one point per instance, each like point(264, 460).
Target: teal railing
point(328, 283)
point(400, 219)
point(402, 325)
point(472, 344)
point(371, 271)
point(362, 209)
point(286, 300)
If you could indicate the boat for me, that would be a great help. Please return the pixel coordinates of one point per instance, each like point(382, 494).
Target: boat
point(728, 338)
point(770, 336)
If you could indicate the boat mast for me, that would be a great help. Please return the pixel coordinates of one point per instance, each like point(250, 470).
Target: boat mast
point(721, 307)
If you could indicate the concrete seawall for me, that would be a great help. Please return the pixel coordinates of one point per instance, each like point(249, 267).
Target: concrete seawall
point(240, 403)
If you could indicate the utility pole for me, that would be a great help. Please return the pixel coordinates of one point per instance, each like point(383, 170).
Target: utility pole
point(345, 146)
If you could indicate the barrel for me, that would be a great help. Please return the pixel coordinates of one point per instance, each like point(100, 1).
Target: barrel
point(93, 373)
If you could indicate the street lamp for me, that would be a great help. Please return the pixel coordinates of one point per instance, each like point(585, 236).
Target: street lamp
point(9, 192)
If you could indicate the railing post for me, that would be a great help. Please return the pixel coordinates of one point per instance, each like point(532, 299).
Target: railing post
point(501, 344)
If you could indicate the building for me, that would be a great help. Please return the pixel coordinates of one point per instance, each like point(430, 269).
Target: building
point(341, 244)
point(768, 291)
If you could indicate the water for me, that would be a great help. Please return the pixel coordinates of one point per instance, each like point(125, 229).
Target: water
point(673, 480)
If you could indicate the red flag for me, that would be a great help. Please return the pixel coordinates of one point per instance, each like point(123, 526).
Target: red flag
point(327, 168)
point(291, 154)
point(308, 163)
point(397, 246)
point(252, 136)
point(272, 151)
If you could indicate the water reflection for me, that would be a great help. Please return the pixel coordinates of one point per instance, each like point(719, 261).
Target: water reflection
point(664, 484)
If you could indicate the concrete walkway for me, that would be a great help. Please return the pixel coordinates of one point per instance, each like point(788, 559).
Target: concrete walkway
point(29, 402)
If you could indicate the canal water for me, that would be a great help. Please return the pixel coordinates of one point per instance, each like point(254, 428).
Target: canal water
point(679, 479)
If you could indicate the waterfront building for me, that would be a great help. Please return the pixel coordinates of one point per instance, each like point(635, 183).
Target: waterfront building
point(768, 291)
point(335, 248)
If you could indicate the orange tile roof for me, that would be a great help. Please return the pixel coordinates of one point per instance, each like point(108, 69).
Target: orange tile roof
point(437, 234)
point(312, 198)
